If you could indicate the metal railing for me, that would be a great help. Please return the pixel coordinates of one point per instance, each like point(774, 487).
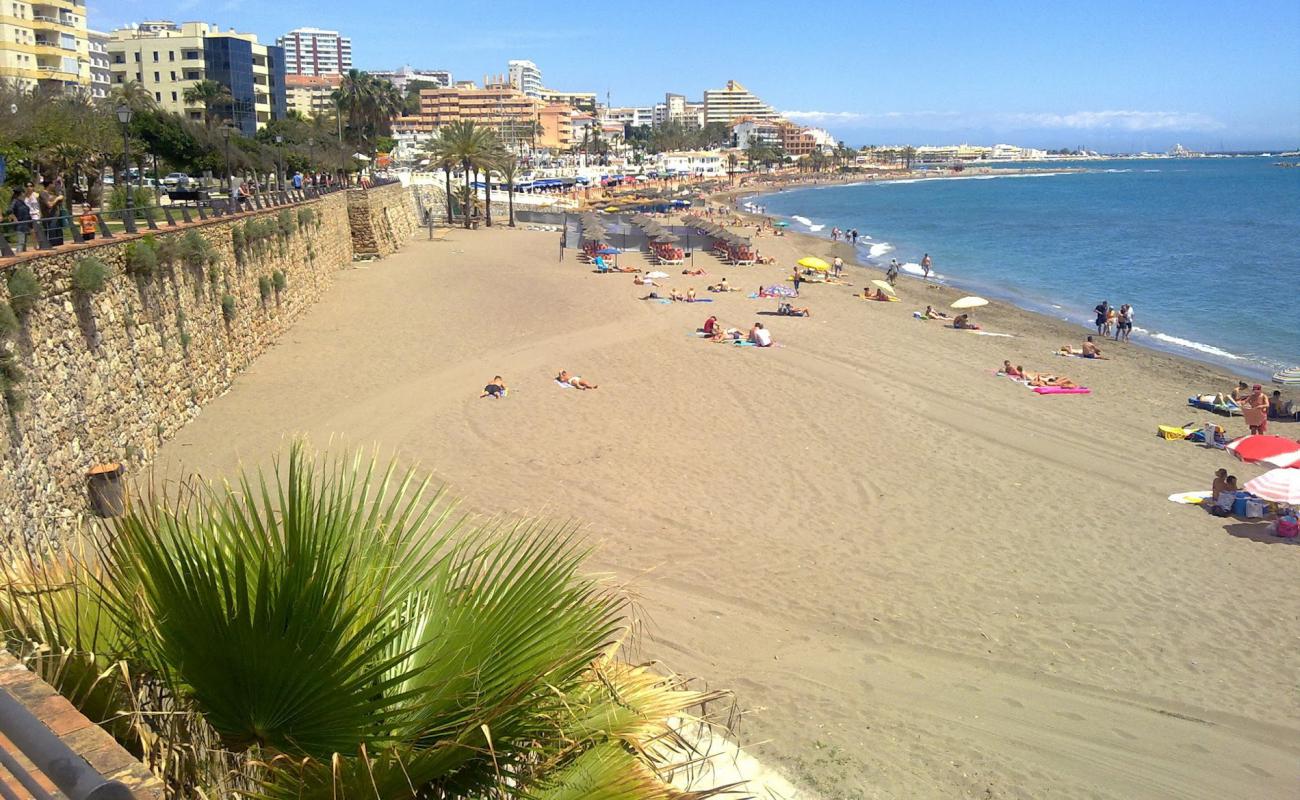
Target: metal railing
point(67, 770)
point(55, 232)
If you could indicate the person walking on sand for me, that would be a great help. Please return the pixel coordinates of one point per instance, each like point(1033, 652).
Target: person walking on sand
point(837, 266)
point(1103, 312)
point(1255, 409)
point(925, 266)
point(1125, 326)
point(891, 274)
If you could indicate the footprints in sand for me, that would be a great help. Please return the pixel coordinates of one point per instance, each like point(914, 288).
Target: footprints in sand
point(1013, 702)
point(1070, 715)
point(1256, 771)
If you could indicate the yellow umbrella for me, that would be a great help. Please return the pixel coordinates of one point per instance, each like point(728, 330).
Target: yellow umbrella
point(611, 209)
point(813, 262)
point(884, 287)
point(970, 302)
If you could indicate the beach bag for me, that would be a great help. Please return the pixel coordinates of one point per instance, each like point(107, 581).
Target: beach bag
point(1254, 508)
point(1287, 527)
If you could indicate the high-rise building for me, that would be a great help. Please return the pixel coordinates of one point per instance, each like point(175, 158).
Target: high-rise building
point(43, 44)
point(526, 77)
point(166, 59)
point(101, 76)
point(496, 105)
point(312, 51)
point(733, 102)
point(403, 76)
point(583, 101)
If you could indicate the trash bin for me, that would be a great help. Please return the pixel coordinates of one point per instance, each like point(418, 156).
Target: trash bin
point(107, 492)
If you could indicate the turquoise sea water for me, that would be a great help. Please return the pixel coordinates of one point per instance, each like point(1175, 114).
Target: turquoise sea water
point(1206, 250)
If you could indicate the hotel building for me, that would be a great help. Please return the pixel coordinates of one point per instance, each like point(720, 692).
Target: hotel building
point(44, 44)
point(167, 58)
point(525, 76)
point(101, 74)
point(403, 75)
point(497, 105)
point(735, 101)
point(310, 95)
point(312, 51)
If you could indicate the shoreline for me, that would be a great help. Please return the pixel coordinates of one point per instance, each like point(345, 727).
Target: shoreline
point(1249, 370)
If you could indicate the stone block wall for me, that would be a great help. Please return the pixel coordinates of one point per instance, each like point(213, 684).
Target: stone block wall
point(109, 376)
point(382, 219)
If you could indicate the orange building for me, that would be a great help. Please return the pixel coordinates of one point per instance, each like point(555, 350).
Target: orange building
point(556, 126)
point(496, 105)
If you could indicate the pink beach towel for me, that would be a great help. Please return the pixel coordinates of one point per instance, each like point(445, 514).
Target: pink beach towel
point(1061, 390)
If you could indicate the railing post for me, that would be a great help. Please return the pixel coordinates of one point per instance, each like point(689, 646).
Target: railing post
point(171, 222)
point(128, 221)
point(104, 231)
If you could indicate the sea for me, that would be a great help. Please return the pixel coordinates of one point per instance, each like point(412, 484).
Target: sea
point(1206, 250)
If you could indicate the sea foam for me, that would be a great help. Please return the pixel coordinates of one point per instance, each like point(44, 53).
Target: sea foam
point(878, 249)
point(1200, 346)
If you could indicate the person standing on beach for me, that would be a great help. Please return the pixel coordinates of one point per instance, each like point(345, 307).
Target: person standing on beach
point(891, 274)
point(1255, 409)
point(1125, 326)
point(837, 266)
point(925, 266)
point(1103, 312)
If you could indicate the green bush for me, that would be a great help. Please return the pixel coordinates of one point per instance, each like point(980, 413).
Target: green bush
point(168, 250)
point(142, 257)
point(264, 287)
point(24, 290)
point(306, 216)
point(278, 280)
point(285, 224)
point(228, 306)
point(185, 339)
point(238, 241)
point(142, 197)
point(10, 376)
point(90, 275)
point(8, 322)
point(196, 251)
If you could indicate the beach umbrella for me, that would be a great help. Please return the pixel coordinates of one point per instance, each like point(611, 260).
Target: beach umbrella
point(667, 237)
point(1288, 377)
point(782, 224)
point(1259, 448)
point(607, 251)
point(656, 274)
point(783, 291)
point(1279, 485)
point(813, 262)
point(970, 302)
point(883, 286)
point(1284, 460)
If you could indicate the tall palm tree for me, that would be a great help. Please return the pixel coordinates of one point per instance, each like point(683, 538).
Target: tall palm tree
point(442, 154)
point(369, 105)
point(132, 94)
point(209, 94)
point(508, 166)
point(472, 145)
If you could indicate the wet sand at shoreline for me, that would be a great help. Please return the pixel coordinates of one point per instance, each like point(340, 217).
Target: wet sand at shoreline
point(920, 579)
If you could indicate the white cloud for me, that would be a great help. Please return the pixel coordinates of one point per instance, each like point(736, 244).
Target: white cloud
point(1077, 120)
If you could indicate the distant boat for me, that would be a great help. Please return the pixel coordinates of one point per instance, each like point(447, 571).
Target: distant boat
point(1286, 163)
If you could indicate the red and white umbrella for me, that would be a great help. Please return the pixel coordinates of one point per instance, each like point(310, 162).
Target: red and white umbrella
point(1265, 448)
point(1291, 459)
point(1278, 485)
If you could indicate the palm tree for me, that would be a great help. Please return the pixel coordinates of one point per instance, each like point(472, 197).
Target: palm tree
point(909, 155)
point(369, 105)
point(209, 94)
point(439, 658)
point(442, 154)
point(133, 94)
point(508, 166)
point(471, 144)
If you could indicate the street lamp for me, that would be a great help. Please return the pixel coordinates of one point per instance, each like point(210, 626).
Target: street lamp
point(124, 116)
point(279, 161)
point(230, 176)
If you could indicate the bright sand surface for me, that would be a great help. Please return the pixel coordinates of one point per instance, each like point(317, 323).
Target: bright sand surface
point(921, 580)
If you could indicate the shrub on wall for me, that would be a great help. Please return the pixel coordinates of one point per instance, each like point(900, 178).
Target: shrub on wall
point(306, 216)
point(238, 241)
point(168, 250)
point(278, 280)
point(264, 287)
point(8, 322)
point(285, 224)
point(196, 251)
point(142, 257)
point(24, 290)
point(228, 307)
point(89, 275)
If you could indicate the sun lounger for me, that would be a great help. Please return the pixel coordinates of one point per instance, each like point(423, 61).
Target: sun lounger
point(1210, 402)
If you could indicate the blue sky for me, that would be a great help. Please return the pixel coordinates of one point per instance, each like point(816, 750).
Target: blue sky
point(1109, 75)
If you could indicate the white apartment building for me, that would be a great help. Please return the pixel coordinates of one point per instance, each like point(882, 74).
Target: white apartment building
point(43, 44)
point(401, 76)
point(526, 77)
point(629, 115)
point(101, 76)
point(166, 59)
point(693, 162)
point(733, 102)
point(313, 51)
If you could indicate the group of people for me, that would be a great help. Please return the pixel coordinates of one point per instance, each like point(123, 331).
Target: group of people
point(850, 236)
point(1114, 322)
point(1018, 373)
point(757, 336)
point(44, 208)
point(497, 389)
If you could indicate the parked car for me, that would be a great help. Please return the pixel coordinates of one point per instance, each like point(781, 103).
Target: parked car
point(176, 180)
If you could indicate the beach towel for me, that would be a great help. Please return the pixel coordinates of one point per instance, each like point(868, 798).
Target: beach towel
point(701, 300)
point(564, 385)
point(1189, 498)
point(743, 343)
point(1061, 390)
point(991, 333)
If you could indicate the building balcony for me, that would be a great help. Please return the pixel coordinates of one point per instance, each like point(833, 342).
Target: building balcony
point(46, 23)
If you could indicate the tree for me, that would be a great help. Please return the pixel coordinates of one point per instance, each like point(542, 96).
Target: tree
point(471, 145)
point(508, 165)
point(210, 95)
point(332, 631)
point(369, 105)
point(442, 154)
point(909, 155)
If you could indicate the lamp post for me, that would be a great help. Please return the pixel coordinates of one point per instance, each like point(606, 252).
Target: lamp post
point(124, 116)
point(230, 176)
point(279, 162)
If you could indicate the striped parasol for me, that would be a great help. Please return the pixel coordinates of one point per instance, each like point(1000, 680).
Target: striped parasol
point(1251, 449)
point(1288, 377)
point(1279, 485)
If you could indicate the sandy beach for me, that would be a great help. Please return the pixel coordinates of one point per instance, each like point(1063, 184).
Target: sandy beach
point(921, 580)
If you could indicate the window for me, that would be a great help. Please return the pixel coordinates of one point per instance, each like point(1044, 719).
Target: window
point(173, 75)
point(173, 97)
point(137, 56)
point(171, 55)
point(155, 55)
point(119, 58)
point(192, 55)
point(157, 96)
point(156, 78)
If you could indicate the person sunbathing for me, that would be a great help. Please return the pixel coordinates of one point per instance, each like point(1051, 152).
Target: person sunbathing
point(933, 313)
point(789, 310)
point(1010, 371)
point(1058, 381)
point(728, 335)
point(722, 286)
point(675, 295)
point(1090, 349)
point(760, 336)
point(640, 280)
point(694, 272)
point(574, 380)
point(690, 295)
point(496, 389)
point(963, 323)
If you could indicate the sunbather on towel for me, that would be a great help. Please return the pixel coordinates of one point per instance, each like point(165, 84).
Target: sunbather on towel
point(729, 335)
point(1090, 349)
point(710, 326)
point(789, 310)
point(933, 313)
point(1010, 371)
point(963, 323)
point(760, 336)
point(1060, 382)
point(639, 280)
point(694, 272)
point(495, 389)
point(574, 381)
point(690, 295)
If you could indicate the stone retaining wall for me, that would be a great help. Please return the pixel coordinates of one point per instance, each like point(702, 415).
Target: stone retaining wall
point(110, 376)
point(381, 219)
